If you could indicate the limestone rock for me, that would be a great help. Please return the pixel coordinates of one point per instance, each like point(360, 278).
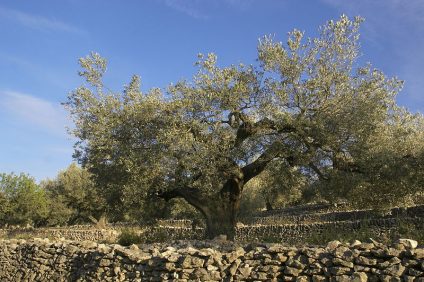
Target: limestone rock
point(302, 279)
point(332, 245)
point(319, 278)
point(355, 243)
point(408, 243)
point(395, 270)
point(359, 277)
point(245, 271)
point(365, 261)
point(292, 271)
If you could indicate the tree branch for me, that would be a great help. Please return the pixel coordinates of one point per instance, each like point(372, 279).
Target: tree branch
point(255, 168)
point(318, 171)
point(192, 196)
point(247, 129)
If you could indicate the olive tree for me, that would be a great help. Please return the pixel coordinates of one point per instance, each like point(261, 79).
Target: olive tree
point(305, 109)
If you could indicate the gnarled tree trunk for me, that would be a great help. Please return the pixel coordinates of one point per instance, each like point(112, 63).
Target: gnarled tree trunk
point(221, 214)
point(219, 210)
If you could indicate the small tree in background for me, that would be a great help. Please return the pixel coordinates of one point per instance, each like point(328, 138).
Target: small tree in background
point(75, 197)
point(22, 200)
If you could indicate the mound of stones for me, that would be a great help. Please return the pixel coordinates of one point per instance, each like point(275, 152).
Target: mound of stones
point(43, 260)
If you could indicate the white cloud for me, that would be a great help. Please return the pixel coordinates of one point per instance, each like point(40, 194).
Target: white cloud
point(34, 111)
point(41, 72)
point(200, 9)
point(387, 15)
point(188, 7)
point(239, 4)
point(38, 22)
point(396, 28)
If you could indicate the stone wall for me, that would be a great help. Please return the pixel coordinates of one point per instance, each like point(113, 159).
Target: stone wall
point(42, 260)
point(277, 228)
point(76, 233)
point(292, 233)
point(300, 233)
point(283, 233)
point(304, 209)
point(325, 216)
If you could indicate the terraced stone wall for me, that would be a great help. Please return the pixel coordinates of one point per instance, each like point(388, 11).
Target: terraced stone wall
point(76, 233)
point(292, 233)
point(286, 233)
point(299, 233)
point(43, 260)
point(286, 217)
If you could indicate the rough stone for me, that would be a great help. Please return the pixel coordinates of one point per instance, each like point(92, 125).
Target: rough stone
point(292, 271)
point(319, 278)
point(366, 261)
point(395, 270)
point(408, 243)
point(359, 277)
point(332, 245)
point(42, 260)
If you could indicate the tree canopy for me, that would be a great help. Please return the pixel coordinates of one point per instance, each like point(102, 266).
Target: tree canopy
point(305, 115)
point(74, 197)
point(22, 201)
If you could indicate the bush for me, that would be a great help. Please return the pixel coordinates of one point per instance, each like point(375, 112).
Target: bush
point(128, 237)
point(410, 230)
point(361, 234)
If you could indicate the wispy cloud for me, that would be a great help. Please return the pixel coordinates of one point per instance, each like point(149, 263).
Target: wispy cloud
point(239, 4)
point(386, 15)
point(396, 28)
point(34, 111)
point(201, 10)
point(51, 75)
point(38, 22)
point(188, 7)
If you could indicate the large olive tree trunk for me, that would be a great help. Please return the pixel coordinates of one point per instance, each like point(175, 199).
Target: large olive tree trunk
point(219, 210)
point(221, 214)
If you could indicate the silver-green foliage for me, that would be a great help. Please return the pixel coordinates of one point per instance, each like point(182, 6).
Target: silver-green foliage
point(306, 111)
point(74, 197)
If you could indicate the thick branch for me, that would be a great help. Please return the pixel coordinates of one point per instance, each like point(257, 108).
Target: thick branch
point(192, 196)
point(318, 171)
point(255, 168)
point(247, 129)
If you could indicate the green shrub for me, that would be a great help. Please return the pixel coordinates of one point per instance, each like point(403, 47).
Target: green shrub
point(410, 230)
point(128, 237)
point(362, 233)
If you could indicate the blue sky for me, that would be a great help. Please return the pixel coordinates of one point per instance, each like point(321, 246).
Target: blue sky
point(159, 40)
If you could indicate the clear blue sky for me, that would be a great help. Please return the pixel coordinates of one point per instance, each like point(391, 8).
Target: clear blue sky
point(40, 42)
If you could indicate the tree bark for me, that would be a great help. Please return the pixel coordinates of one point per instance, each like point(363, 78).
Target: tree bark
point(221, 220)
point(219, 210)
point(268, 205)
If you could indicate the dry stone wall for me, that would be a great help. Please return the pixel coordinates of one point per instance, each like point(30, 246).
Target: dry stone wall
point(76, 233)
point(285, 233)
point(304, 209)
point(287, 217)
point(43, 260)
point(268, 228)
point(299, 233)
point(292, 233)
